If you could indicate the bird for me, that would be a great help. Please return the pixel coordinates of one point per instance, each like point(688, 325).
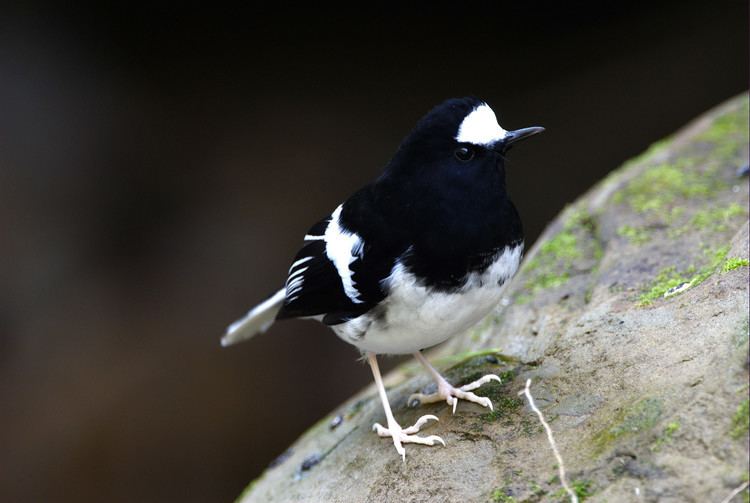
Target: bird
point(413, 258)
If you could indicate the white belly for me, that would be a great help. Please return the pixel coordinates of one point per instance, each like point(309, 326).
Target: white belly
point(415, 317)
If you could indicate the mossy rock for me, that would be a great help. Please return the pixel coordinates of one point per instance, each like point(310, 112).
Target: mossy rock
point(630, 315)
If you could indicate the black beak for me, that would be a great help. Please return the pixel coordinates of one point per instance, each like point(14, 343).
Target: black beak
point(512, 137)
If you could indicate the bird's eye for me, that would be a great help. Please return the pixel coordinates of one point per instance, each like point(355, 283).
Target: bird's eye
point(464, 154)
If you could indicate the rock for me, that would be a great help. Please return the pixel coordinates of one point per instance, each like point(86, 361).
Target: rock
point(630, 315)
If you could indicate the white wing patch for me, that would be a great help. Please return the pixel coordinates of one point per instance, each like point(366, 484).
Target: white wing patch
point(342, 248)
point(298, 263)
point(295, 279)
point(480, 127)
point(294, 283)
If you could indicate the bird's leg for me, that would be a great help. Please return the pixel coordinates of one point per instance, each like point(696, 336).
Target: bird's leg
point(449, 393)
point(394, 430)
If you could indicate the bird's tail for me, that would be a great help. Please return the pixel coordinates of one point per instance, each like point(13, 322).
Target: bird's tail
point(256, 321)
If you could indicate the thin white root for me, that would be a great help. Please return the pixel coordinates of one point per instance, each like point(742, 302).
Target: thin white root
point(735, 493)
point(551, 439)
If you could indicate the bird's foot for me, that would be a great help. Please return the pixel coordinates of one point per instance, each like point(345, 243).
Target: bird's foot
point(451, 394)
point(407, 435)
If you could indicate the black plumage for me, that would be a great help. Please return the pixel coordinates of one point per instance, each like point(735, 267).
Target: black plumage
point(417, 255)
point(452, 216)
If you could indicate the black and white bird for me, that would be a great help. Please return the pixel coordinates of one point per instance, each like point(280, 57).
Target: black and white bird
point(415, 257)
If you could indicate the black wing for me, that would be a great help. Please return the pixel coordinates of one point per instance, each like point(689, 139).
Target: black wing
point(338, 273)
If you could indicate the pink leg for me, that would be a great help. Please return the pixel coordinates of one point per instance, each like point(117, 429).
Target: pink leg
point(398, 434)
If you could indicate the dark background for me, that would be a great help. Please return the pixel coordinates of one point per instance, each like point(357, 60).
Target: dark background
point(159, 166)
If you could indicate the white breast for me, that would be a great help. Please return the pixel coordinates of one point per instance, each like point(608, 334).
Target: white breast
point(414, 316)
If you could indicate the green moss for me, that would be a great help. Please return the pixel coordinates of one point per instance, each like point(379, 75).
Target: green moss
point(642, 416)
point(733, 263)
point(716, 257)
point(660, 186)
point(692, 172)
point(717, 218)
point(667, 280)
point(492, 390)
point(550, 267)
point(666, 436)
point(536, 489)
point(671, 428)
point(728, 132)
point(468, 357)
point(564, 246)
point(549, 280)
point(581, 488)
point(670, 282)
point(507, 376)
point(501, 496)
point(502, 407)
point(636, 235)
point(560, 249)
point(522, 298)
point(674, 213)
point(712, 219)
point(729, 124)
point(741, 420)
point(478, 366)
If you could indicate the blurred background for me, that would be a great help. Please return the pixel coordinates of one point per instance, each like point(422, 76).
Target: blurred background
point(159, 166)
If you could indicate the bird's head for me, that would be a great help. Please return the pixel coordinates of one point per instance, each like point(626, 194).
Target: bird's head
point(458, 141)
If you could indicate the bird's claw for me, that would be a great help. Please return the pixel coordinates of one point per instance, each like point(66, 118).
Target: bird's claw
point(407, 435)
point(451, 394)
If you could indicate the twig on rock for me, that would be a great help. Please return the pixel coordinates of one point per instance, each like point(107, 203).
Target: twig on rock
point(734, 493)
point(551, 440)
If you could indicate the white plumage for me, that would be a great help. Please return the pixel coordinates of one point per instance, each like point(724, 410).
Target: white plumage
point(414, 317)
point(480, 127)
